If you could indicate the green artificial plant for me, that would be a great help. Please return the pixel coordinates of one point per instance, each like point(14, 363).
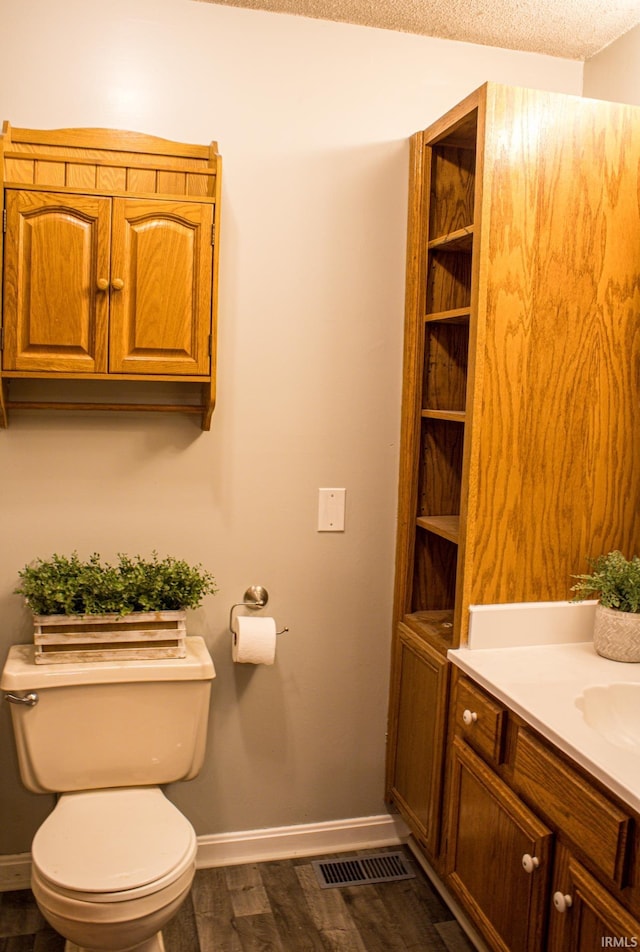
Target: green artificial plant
point(67, 585)
point(614, 580)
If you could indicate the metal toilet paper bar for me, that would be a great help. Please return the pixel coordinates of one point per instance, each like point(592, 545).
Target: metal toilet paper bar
point(255, 598)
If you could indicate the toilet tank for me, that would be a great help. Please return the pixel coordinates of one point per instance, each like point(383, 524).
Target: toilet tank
point(109, 724)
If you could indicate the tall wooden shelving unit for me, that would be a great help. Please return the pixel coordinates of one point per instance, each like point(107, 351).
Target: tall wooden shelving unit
point(521, 409)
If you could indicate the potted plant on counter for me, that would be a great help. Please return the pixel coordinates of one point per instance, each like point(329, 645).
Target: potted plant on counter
point(615, 581)
point(93, 610)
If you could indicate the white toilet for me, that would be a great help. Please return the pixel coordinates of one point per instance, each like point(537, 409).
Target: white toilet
point(115, 859)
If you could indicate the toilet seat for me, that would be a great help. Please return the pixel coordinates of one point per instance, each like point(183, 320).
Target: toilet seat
point(113, 845)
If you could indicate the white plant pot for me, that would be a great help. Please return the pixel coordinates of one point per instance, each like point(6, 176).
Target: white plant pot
point(616, 635)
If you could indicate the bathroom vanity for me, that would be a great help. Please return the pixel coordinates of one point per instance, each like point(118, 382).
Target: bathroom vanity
point(542, 835)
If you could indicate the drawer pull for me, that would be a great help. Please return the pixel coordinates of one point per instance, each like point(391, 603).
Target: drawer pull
point(530, 863)
point(562, 902)
point(469, 717)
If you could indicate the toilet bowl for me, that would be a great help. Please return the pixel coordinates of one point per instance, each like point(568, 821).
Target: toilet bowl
point(111, 867)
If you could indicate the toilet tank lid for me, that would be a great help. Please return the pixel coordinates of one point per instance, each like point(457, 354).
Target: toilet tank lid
point(21, 673)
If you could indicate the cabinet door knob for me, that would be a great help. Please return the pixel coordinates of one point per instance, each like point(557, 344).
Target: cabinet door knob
point(117, 284)
point(469, 717)
point(529, 863)
point(103, 284)
point(562, 902)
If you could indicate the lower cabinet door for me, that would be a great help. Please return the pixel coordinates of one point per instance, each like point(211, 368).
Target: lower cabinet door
point(585, 917)
point(417, 738)
point(498, 856)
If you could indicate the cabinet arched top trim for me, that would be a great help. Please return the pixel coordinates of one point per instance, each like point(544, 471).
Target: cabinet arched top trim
point(112, 140)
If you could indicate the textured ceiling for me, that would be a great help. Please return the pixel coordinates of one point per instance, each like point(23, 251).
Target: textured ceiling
point(575, 29)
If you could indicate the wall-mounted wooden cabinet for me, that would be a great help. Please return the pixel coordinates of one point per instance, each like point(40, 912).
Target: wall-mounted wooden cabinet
point(110, 261)
point(521, 400)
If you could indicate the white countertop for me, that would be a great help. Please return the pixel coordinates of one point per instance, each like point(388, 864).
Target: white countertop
point(541, 683)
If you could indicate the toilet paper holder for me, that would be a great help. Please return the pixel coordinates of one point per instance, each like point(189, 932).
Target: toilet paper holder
point(255, 598)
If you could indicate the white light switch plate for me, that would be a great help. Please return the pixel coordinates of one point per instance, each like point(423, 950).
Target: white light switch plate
point(331, 503)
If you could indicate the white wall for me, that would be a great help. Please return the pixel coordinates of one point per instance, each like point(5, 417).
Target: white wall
point(312, 120)
point(614, 74)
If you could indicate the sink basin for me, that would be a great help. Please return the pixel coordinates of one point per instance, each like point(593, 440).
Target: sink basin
point(613, 710)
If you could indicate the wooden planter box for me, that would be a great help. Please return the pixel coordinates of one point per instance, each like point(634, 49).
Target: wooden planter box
point(139, 636)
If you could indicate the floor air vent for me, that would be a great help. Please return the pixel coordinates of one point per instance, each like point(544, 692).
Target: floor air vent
point(362, 870)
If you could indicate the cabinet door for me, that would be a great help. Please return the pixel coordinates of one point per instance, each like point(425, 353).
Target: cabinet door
point(161, 287)
point(416, 743)
point(56, 269)
point(586, 918)
point(498, 856)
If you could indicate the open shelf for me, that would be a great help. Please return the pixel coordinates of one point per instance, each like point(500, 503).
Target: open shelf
point(446, 357)
point(458, 315)
point(448, 527)
point(459, 240)
point(448, 280)
point(434, 571)
point(453, 416)
point(435, 627)
point(440, 468)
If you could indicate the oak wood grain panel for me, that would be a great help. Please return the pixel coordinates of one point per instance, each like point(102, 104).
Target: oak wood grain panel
point(209, 386)
point(172, 183)
point(141, 180)
point(440, 473)
point(552, 480)
point(80, 175)
point(161, 318)
point(445, 366)
point(197, 184)
point(418, 734)
point(111, 178)
point(20, 171)
point(104, 140)
point(448, 280)
point(586, 817)
point(412, 379)
point(49, 173)
point(57, 248)
point(452, 188)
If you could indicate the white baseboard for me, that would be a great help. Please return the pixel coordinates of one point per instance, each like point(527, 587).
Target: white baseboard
point(15, 871)
point(259, 846)
point(310, 839)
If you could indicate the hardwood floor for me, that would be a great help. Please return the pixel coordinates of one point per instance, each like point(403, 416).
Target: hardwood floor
point(276, 907)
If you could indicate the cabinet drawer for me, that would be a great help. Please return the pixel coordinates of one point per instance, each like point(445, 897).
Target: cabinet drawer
point(480, 720)
point(595, 825)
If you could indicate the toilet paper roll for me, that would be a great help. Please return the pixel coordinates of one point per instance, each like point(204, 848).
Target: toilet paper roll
point(255, 640)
